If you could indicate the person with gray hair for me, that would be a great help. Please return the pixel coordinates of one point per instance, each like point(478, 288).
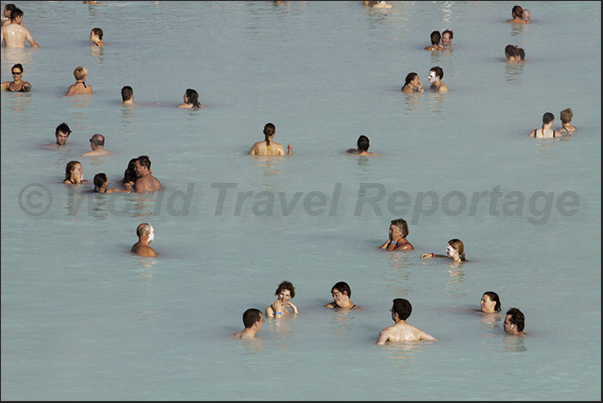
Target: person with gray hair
point(146, 234)
point(97, 142)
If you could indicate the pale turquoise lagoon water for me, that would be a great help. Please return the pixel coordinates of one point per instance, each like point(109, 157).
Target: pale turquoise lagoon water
point(82, 319)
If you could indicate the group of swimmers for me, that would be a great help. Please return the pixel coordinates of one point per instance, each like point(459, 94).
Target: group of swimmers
point(401, 330)
point(138, 177)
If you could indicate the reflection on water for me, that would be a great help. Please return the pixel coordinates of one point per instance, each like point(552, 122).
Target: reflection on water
point(283, 329)
point(97, 53)
point(364, 164)
point(517, 29)
point(19, 103)
point(413, 99)
point(456, 284)
point(402, 355)
point(267, 164)
point(127, 115)
point(342, 320)
point(147, 290)
point(436, 100)
point(513, 72)
point(513, 344)
point(399, 274)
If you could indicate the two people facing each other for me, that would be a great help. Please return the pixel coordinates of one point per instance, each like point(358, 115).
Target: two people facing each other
point(17, 85)
point(14, 34)
point(268, 146)
point(454, 250)
point(413, 84)
point(514, 54)
point(139, 177)
point(445, 38)
point(520, 15)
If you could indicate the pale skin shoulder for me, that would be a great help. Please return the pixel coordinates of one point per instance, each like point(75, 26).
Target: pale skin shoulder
point(402, 332)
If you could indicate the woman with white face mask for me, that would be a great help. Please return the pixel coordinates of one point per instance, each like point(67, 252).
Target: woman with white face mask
point(435, 76)
point(455, 250)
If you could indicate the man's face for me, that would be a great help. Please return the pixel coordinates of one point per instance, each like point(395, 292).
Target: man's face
point(509, 328)
point(446, 39)
point(62, 138)
point(139, 169)
point(432, 77)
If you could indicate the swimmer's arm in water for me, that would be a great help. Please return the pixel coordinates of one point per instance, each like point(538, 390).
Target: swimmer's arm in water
point(430, 255)
point(330, 305)
point(383, 337)
point(269, 312)
point(425, 336)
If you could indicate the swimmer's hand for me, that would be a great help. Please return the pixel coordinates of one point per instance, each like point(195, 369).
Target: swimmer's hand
point(426, 255)
point(289, 149)
point(292, 306)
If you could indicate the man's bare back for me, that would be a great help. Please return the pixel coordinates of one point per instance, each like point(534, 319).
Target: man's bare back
point(143, 250)
point(14, 36)
point(402, 331)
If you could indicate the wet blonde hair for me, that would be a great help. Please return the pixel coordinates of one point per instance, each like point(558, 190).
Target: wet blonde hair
point(80, 73)
point(566, 115)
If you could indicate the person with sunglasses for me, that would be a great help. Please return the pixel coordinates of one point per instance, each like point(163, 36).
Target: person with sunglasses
point(17, 85)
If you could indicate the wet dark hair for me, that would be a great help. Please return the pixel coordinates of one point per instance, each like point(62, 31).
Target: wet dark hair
point(435, 37)
point(521, 53)
point(548, 118)
point(402, 307)
point(251, 316)
point(517, 318)
point(363, 143)
point(517, 11)
point(144, 161)
point(269, 130)
point(410, 77)
point(99, 181)
point(16, 13)
point(511, 50)
point(63, 128)
point(438, 71)
point(285, 285)
point(193, 97)
point(342, 287)
point(126, 93)
point(98, 32)
point(130, 173)
point(19, 66)
point(494, 297)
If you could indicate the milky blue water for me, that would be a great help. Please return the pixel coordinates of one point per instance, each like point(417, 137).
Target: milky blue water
point(83, 319)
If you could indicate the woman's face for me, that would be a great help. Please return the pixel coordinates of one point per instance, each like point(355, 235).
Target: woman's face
point(284, 296)
point(451, 252)
point(487, 304)
point(185, 98)
point(77, 172)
